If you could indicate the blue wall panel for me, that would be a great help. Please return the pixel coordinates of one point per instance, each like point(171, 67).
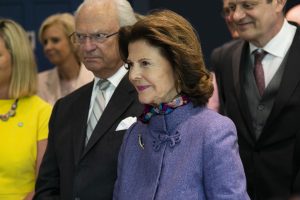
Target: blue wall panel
point(31, 13)
point(206, 18)
point(43, 11)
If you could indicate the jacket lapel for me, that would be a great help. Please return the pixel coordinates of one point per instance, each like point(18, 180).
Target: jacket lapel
point(120, 101)
point(290, 79)
point(236, 61)
point(80, 121)
point(238, 58)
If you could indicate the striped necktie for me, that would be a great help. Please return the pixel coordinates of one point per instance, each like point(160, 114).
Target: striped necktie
point(98, 107)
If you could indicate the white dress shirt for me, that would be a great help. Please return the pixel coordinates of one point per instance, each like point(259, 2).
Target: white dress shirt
point(114, 82)
point(277, 48)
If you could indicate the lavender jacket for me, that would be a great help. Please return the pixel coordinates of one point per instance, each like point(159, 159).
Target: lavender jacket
point(190, 154)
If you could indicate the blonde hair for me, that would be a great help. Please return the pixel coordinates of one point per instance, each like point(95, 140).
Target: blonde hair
point(24, 70)
point(67, 21)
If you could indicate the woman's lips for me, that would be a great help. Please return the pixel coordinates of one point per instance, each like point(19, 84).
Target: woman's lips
point(142, 87)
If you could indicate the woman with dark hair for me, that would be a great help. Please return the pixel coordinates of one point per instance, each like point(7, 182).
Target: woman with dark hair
point(178, 149)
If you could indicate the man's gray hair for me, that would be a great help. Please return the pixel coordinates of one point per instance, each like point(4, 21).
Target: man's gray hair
point(125, 11)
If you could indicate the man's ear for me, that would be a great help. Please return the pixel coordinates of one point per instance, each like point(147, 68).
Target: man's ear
point(280, 5)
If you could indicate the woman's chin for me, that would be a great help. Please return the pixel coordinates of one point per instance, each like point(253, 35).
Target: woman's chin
point(144, 100)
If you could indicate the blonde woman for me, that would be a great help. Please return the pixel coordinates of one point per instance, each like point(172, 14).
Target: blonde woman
point(69, 73)
point(23, 115)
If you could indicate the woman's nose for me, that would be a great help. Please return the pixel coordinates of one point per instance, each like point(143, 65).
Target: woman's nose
point(134, 73)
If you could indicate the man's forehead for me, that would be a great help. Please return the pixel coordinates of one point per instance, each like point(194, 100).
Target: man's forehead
point(225, 2)
point(239, 1)
point(92, 28)
point(96, 20)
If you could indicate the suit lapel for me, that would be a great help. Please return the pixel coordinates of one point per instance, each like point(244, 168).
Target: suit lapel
point(238, 57)
point(236, 61)
point(120, 101)
point(290, 79)
point(80, 113)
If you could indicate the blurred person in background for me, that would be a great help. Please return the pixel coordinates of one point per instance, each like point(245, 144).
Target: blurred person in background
point(24, 116)
point(214, 102)
point(226, 14)
point(293, 14)
point(69, 73)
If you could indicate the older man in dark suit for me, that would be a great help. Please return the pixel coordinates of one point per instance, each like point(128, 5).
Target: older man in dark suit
point(87, 126)
point(262, 95)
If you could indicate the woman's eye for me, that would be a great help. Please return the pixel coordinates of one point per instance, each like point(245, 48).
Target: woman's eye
point(55, 40)
point(45, 42)
point(145, 63)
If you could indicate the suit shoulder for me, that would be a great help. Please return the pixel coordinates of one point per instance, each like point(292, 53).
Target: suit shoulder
point(83, 91)
point(226, 46)
point(222, 52)
point(47, 73)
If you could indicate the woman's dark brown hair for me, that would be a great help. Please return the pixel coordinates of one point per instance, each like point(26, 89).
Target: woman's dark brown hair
point(178, 42)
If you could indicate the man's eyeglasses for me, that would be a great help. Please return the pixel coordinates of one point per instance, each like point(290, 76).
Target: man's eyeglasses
point(78, 38)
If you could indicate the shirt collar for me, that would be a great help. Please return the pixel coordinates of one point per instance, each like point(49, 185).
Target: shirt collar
point(114, 79)
point(281, 42)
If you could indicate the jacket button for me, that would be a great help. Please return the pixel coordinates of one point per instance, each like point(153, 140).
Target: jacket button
point(260, 107)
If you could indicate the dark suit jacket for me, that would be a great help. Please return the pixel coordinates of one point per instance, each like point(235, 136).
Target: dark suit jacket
point(272, 162)
point(71, 171)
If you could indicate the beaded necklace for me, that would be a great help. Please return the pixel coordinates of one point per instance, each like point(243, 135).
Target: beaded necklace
point(11, 112)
